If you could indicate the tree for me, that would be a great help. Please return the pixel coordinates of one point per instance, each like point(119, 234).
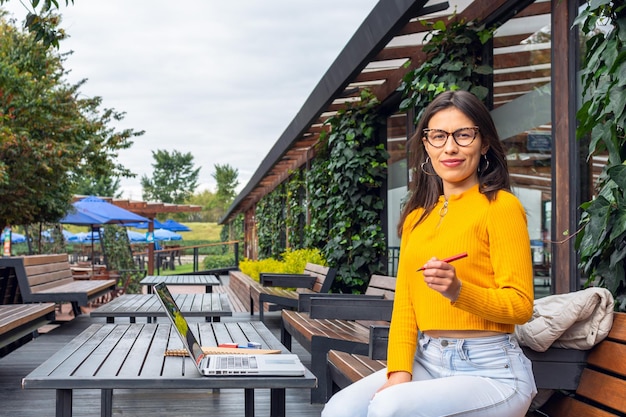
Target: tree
point(174, 179)
point(42, 24)
point(203, 199)
point(49, 137)
point(106, 186)
point(226, 178)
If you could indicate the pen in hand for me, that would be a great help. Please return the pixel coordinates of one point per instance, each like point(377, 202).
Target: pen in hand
point(450, 259)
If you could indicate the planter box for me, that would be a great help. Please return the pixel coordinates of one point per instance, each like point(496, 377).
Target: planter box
point(240, 284)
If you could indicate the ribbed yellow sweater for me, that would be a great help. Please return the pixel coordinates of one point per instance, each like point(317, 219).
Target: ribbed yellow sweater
point(497, 275)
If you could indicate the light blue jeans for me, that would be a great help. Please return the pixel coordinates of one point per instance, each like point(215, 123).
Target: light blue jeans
point(478, 377)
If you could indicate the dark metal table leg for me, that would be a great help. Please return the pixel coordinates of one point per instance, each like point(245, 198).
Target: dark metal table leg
point(249, 402)
point(106, 403)
point(64, 403)
point(277, 403)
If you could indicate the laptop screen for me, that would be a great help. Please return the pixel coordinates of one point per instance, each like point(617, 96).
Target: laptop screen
point(179, 321)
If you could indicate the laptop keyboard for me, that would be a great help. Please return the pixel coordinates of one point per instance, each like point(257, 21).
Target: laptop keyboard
point(238, 362)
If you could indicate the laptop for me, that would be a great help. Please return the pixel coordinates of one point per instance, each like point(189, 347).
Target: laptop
point(246, 364)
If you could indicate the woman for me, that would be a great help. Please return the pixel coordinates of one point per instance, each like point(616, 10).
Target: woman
point(451, 350)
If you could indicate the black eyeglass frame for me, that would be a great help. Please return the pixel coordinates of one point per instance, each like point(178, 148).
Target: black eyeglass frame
point(475, 129)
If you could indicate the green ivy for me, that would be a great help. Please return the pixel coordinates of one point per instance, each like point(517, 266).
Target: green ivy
point(233, 231)
point(270, 220)
point(119, 256)
point(295, 220)
point(601, 241)
point(345, 186)
point(453, 62)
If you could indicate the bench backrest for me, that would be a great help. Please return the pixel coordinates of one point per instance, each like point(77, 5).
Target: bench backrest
point(36, 273)
point(602, 385)
point(324, 277)
point(9, 290)
point(375, 305)
point(382, 285)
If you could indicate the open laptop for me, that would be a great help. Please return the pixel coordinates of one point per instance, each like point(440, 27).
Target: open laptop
point(246, 364)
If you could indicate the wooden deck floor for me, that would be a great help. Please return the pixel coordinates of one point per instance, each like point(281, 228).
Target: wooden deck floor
point(16, 402)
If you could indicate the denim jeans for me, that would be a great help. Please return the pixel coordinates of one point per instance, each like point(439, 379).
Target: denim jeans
point(478, 377)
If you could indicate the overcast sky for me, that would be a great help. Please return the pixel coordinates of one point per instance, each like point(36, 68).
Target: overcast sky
point(220, 79)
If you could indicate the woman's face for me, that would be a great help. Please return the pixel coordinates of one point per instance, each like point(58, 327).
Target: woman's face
point(456, 165)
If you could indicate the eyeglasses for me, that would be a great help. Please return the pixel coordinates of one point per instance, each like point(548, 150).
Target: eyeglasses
point(463, 136)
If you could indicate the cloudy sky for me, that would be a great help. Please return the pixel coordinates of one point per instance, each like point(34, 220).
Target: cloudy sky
point(219, 79)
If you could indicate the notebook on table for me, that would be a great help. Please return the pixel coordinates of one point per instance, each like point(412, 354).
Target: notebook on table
point(225, 364)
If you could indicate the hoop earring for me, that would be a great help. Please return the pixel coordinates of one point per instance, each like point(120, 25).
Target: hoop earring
point(424, 171)
point(486, 166)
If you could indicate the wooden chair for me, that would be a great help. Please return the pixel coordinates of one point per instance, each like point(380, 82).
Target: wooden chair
point(337, 321)
point(278, 289)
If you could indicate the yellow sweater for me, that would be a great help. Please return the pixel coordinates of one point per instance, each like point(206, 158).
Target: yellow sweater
point(497, 275)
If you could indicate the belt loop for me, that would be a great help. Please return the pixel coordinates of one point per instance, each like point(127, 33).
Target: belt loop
point(459, 349)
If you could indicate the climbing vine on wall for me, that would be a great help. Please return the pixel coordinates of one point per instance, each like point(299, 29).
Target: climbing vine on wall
point(453, 62)
point(295, 220)
point(602, 116)
point(345, 187)
point(270, 221)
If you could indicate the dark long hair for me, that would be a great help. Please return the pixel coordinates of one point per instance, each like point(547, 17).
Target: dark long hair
point(424, 190)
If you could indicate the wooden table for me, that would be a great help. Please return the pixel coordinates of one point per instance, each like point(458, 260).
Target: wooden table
point(207, 280)
point(131, 356)
point(209, 306)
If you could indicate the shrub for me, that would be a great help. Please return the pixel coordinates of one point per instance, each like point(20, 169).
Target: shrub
point(292, 262)
point(218, 261)
point(254, 268)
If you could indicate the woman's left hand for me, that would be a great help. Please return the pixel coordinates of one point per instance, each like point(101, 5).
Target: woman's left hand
point(441, 277)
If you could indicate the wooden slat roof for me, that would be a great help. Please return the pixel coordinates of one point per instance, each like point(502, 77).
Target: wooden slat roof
point(146, 208)
point(383, 49)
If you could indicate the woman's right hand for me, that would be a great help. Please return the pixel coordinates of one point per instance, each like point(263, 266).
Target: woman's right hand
point(395, 378)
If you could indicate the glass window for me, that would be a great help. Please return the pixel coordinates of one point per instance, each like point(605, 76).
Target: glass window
point(522, 112)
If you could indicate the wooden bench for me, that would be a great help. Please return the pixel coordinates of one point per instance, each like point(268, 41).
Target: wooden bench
point(48, 278)
point(344, 368)
point(601, 390)
point(278, 289)
point(593, 388)
point(337, 321)
point(19, 322)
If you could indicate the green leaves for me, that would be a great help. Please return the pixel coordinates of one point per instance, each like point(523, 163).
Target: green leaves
point(346, 214)
point(602, 240)
point(51, 136)
point(174, 179)
point(454, 54)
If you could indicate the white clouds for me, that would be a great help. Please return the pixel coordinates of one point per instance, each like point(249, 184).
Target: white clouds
point(219, 79)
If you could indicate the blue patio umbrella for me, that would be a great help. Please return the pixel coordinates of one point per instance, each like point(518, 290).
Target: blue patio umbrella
point(16, 237)
point(85, 237)
point(47, 234)
point(144, 225)
point(136, 236)
point(94, 211)
point(174, 226)
point(162, 234)
point(79, 237)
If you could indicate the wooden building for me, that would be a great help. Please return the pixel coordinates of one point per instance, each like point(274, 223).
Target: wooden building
point(535, 89)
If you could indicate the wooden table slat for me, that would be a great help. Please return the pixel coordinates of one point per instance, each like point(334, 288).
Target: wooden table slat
point(147, 305)
point(131, 356)
point(98, 355)
point(119, 354)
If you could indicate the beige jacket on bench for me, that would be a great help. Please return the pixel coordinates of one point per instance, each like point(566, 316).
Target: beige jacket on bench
point(576, 320)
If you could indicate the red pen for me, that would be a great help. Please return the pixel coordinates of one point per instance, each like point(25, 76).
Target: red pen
point(450, 259)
